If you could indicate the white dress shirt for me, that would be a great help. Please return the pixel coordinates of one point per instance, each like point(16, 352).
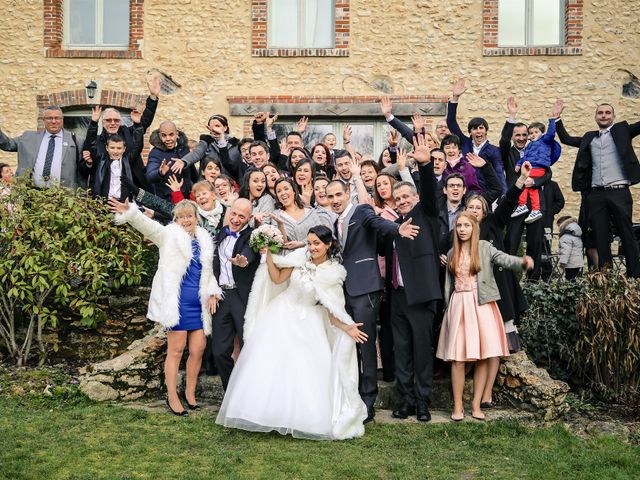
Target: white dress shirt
point(56, 164)
point(115, 183)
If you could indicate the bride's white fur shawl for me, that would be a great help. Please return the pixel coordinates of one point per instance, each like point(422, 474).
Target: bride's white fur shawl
point(175, 249)
point(348, 409)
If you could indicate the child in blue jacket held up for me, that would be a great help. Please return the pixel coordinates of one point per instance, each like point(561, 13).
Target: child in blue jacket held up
point(542, 151)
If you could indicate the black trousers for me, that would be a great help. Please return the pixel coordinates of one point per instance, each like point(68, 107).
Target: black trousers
point(365, 309)
point(386, 340)
point(535, 239)
point(616, 205)
point(228, 322)
point(412, 327)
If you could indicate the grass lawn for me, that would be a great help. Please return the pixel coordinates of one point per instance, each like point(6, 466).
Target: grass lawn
point(65, 436)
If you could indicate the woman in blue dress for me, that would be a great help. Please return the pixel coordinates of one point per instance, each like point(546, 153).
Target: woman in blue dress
point(184, 293)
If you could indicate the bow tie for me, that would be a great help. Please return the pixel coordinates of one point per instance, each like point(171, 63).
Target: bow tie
point(230, 233)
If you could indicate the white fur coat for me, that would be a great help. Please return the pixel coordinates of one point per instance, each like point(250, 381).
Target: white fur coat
point(175, 255)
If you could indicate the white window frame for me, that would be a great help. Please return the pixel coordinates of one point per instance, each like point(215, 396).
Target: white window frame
point(300, 20)
point(380, 129)
point(99, 30)
point(528, 24)
point(85, 112)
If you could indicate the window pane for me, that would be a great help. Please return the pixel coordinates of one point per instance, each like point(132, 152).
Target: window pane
point(546, 22)
point(511, 22)
point(314, 134)
point(362, 138)
point(77, 121)
point(317, 30)
point(283, 23)
point(115, 21)
point(82, 22)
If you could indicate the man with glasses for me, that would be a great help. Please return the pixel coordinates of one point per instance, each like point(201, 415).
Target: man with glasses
point(133, 135)
point(51, 157)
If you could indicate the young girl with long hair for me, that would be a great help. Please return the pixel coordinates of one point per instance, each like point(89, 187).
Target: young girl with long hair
point(254, 188)
point(472, 329)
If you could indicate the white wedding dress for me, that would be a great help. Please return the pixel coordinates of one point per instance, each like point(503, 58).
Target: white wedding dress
point(296, 374)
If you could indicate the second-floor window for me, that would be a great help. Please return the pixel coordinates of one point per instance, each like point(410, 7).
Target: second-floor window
point(96, 24)
point(301, 24)
point(530, 23)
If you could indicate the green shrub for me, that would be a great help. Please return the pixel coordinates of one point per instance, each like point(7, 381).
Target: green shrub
point(58, 249)
point(587, 332)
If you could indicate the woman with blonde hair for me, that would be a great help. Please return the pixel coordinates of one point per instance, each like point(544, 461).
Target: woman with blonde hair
point(184, 293)
point(472, 329)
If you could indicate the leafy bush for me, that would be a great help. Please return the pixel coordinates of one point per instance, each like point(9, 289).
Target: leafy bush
point(58, 248)
point(587, 332)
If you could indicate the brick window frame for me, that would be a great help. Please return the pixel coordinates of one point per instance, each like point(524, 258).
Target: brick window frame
point(54, 47)
point(78, 98)
point(260, 37)
point(573, 26)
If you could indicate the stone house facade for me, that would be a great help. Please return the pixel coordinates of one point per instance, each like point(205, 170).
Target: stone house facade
point(236, 58)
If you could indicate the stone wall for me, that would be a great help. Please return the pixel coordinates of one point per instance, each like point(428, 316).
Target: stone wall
point(421, 46)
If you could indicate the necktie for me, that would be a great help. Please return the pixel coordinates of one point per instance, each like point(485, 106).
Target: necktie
point(230, 233)
point(48, 159)
point(340, 222)
point(394, 269)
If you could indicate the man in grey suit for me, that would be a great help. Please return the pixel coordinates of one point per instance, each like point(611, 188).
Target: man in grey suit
point(51, 157)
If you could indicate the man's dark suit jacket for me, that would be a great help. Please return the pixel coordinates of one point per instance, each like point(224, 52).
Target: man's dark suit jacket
point(419, 258)
point(242, 276)
point(622, 134)
point(360, 253)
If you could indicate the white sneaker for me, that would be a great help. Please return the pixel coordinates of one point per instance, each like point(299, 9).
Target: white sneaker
point(521, 210)
point(533, 216)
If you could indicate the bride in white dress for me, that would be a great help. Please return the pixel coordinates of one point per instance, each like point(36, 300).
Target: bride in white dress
point(297, 372)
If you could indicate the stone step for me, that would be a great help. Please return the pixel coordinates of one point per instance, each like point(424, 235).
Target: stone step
point(210, 390)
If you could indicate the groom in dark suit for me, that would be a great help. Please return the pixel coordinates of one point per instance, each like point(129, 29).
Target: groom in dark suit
point(357, 229)
point(606, 166)
point(234, 265)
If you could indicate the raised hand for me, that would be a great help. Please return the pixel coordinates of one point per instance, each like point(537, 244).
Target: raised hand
point(402, 159)
point(136, 116)
point(346, 134)
point(408, 230)
point(116, 206)
point(525, 170)
point(259, 217)
point(164, 168)
point(418, 122)
point(458, 88)
point(86, 155)
point(476, 160)
point(306, 192)
point(284, 148)
point(421, 152)
point(557, 109)
point(271, 119)
point(302, 124)
point(394, 137)
point(174, 184)
point(216, 131)
point(354, 332)
point(354, 167)
point(240, 261)
point(261, 117)
point(96, 112)
point(512, 107)
point(386, 106)
point(178, 165)
point(154, 85)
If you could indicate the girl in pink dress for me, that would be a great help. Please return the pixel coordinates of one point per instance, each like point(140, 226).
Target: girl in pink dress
point(472, 329)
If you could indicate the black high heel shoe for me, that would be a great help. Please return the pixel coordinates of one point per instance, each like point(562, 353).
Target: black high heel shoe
point(183, 413)
point(191, 406)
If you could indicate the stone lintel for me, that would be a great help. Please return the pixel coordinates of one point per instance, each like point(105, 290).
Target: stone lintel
point(337, 109)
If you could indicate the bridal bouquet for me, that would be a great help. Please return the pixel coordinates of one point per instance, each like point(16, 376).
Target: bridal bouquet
point(268, 236)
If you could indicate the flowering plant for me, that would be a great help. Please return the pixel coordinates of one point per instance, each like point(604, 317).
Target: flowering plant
point(268, 236)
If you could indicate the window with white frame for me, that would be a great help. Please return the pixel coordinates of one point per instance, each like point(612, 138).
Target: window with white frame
point(96, 24)
point(367, 137)
point(301, 24)
point(77, 120)
point(530, 23)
